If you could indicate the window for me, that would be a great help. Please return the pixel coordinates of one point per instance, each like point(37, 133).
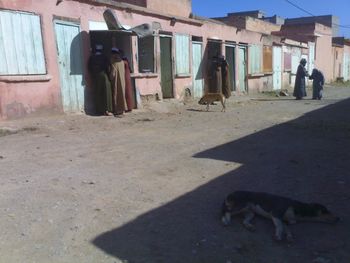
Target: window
point(146, 54)
point(267, 61)
point(21, 45)
point(255, 59)
point(182, 45)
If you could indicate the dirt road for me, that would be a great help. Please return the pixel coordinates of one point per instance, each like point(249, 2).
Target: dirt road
point(149, 187)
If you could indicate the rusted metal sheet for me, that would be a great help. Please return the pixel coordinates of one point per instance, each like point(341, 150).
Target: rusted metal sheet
point(267, 59)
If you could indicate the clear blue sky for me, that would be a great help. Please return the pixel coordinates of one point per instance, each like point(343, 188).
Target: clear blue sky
point(340, 8)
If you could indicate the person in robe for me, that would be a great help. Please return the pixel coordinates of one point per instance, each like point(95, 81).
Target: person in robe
point(117, 77)
point(98, 65)
point(215, 76)
point(300, 85)
point(226, 85)
point(317, 84)
point(129, 94)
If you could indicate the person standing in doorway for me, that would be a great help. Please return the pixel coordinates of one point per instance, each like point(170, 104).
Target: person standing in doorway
point(129, 94)
point(98, 68)
point(226, 85)
point(117, 77)
point(317, 84)
point(300, 85)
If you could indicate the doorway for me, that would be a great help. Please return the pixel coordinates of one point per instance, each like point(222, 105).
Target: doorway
point(69, 54)
point(166, 67)
point(197, 75)
point(242, 66)
point(277, 68)
point(230, 58)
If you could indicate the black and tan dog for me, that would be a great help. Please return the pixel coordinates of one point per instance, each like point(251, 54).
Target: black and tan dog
point(209, 98)
point(279, 209)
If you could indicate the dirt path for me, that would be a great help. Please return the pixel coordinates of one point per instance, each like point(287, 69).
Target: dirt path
point(148, 187)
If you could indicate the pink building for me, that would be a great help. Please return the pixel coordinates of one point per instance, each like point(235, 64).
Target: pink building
point(47, 44)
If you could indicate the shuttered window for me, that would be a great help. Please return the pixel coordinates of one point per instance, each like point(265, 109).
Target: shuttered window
point(146, 54)
point(255, 61)
point(267, 60)
point(182, 45)
point(21, 44)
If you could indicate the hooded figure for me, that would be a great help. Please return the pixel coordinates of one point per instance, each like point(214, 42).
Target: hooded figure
point(98, 68)
point(317, 84)
point(300, 86)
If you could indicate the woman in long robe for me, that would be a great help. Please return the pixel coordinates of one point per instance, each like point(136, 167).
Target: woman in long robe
point(117, 77)
point(317, 84)
point(300, 85)
point(98, 68)
point(129, 94)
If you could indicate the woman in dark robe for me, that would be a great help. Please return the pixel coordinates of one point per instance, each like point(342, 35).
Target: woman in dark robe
point(98, 68)
point(129, 94)
point(117, 77)
point(215, 76)
point(317, 84)
point(300, 86)
point(226, 85)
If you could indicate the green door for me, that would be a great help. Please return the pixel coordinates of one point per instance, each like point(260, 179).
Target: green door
point(230, 58)
point(166, 67)
point(242, 69)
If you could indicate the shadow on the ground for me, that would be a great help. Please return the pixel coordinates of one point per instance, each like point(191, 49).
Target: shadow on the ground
point(307, 159)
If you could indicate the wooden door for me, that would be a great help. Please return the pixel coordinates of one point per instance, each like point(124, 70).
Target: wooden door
point(243, 69)
point(166, 67)
point(277, 68)
point(70, 65)
point(197, 75)
point(230, 58)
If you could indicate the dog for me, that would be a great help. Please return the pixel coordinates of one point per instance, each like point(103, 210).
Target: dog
point(279, 209)
point(209, 98)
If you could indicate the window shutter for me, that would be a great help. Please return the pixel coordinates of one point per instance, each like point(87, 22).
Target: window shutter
point(21, 44)
point(182, 45)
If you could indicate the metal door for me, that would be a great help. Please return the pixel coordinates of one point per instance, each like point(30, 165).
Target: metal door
point(277, 68)
point(166, 67)
point(230, 58)
point(197, 76)
point(242, 69)
point(70, 65)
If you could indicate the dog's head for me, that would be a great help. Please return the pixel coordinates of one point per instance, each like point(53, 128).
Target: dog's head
point(317, 213)
point(202, 101)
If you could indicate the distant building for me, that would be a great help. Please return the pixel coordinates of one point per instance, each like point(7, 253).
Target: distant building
point(327, 20)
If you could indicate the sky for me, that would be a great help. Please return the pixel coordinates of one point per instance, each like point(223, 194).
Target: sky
point(217, 8)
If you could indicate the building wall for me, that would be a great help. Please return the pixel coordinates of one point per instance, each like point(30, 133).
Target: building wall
point(177, 8)
point(250, 23)
point(338, 59)
point(22, 95)
point(324, 56)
